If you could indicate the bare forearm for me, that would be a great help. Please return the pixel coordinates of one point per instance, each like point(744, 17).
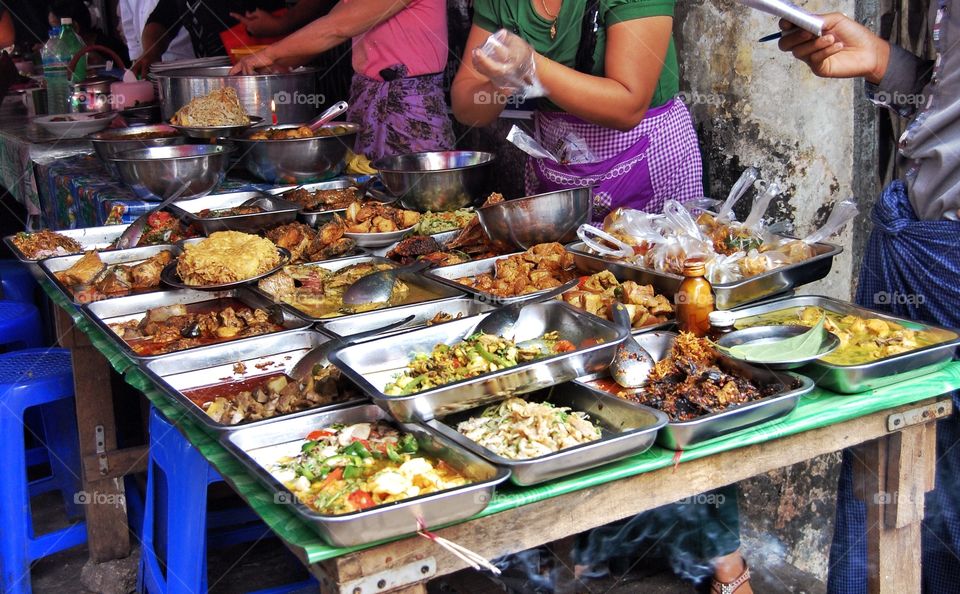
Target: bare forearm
point(476, 102)
point(155, 39)
point(7, 32)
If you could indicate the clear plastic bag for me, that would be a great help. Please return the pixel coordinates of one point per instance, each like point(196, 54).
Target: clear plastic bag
point(575, 150)
point(512, 59)
point(724, 269)
point(755, 262)
point(530, 145)
point(798, 250)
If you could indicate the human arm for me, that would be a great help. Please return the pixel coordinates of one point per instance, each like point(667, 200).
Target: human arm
point(8, 34)
point(162, 25)
point(264, 24)
point(345, 21)
point(846, 49)
point(633, 60)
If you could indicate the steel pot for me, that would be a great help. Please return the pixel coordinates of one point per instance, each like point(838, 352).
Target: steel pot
point(296, 94)
point(92, 94)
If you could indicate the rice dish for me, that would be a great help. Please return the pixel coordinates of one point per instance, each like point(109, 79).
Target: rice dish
point(226, 257)
point(221, 107)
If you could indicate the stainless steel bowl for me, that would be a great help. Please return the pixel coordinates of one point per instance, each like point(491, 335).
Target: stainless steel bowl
point(524, 222)
point(437, 181)
point(110, 143)
point(296, 160)
point(156, 173)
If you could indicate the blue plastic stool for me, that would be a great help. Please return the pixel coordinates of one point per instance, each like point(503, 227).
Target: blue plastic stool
point(20, 325)
point(35, 378)
point(17, 282)
point(176, 511)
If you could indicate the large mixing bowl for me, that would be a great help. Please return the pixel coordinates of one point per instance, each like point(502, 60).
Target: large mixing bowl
point(156, 173)
point(296, 160)
point(296, 94)
point(437, 181)
point(110, 143)
point(525, 222)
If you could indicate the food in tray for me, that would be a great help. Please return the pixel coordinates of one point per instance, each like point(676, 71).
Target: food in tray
point(376, 217)
point(440, 222)
point(690, 383)
point(172, 328)
point(300, 132)
point(475, 355)
point(323, 199)
point(346, 468)
point(44, 244)
point(598, 293)
point(519, 430)
point(264, 397)
point(162, 227)
point(862, 339)
point(424, 247)
point(221, 107)
point(142, 135)
point(318, 292)
point(233, 211)
point(226, 257)
point(543, 266)
point(306, 244)
point(91, 279)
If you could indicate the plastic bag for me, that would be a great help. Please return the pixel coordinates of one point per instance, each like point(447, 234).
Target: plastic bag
point(626, 233)
point(530, 145)
point(574, 150)
point(798, 250)
point(743, 183)
point(755, 262)
point(724, 269)
point(508, 61)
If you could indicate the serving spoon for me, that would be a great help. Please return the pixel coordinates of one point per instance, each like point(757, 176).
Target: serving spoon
point(378, 286)
point(325, 117)
point(318, 355)
point(132, 234)
point(501, 320)
point(632, 363)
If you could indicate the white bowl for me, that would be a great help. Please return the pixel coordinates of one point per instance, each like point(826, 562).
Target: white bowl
point(74, 125)
point(377, 239)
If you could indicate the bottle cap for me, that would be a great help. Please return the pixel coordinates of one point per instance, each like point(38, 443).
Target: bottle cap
point(721, 318)
point(694, 267)
point(66, 21)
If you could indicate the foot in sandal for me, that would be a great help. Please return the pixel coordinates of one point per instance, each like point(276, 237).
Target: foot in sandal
point(731, 575)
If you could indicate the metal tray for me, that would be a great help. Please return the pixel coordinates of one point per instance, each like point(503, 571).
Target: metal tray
point(449, 275)
point(89, 238)
point(850, 379)
point(258, 447)
point(121, 309)
point(259, 356)
point(128, 257)
point(682, 435)
point(423, 312)
point(373, 364)
point(276, 212)
point(315, 218)
point(728, 295)
point(441, 291)
point(441, 238)
point(626, 429)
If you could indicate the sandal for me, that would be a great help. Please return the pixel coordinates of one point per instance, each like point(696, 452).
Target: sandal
point(717, 587)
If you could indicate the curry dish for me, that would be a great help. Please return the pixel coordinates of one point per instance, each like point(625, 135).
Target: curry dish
point(89, 279)
point(306, 244)
point(598, 294)
point(376, 217)
point(323, 199)
point(299, 132)
point(543, 266)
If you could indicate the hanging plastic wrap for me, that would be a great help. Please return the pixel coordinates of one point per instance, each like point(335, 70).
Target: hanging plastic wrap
point(797, 250)
point(626, 233)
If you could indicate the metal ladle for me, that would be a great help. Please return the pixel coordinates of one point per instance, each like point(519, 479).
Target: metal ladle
point(318, 355)
point(132, 234)
point(378, 287)
point(632, 363)
point(325, 117)
point(501, 320)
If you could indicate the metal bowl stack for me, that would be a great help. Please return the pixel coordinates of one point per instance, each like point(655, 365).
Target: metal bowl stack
point(110, 143)
point(437, 181)
point(525, 222)
point(156, 173)
point(297, 160)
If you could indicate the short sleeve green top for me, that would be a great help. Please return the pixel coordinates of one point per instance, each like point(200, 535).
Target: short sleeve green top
point(520, 17)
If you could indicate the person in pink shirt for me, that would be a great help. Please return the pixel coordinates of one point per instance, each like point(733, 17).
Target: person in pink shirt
point(399, 54)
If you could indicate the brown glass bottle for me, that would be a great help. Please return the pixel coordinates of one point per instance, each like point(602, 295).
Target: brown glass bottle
point(694, 299)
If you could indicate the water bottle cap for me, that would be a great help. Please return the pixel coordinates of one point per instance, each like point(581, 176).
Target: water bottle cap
point(66, 21)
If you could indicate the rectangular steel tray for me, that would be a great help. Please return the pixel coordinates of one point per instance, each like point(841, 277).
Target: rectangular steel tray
point(626, 429)
point(258, 447)
point(315, 218)
point(121, 309)
point(422, 312)
point(259, 356)
point(728, 295)
point(850, 379)
point(373, 364)
point(276, 212)
point(441, 238)
point(90, 238)
point(130, 256)
point(682, 435)
point(442, 291)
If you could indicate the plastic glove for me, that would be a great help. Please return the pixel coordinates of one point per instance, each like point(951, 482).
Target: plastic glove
point(507, 60)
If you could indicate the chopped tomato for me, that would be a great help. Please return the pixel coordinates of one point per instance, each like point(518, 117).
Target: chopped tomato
point(315, 435)
point(589, 342)
point(335, 475)
point(583, 280)
point(361, 499)
point(159, 219)
point(564, 346)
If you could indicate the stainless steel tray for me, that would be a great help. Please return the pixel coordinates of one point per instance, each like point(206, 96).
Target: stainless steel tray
point(315, 218)
point(259, 356)
point(422, 312)
point(258, 447)
point(682, 435)
point(110, 258)
point(374, 364)
point(626, 429)
point(89, 238)
point(415, 280)
point(441, 238)
point(276, 212)
point(850, 379)
point(122, 309)
point(449, 275)
point(728, 295)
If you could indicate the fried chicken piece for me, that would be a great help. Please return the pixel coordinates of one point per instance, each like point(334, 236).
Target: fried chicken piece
point(84, 271)
point(146, 275)
point(293, 237)
point(117, 281)
point(411, 248)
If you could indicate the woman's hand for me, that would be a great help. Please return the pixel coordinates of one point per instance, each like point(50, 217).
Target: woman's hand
point(260, 23)
point(254, 63)
point(508, 61)
point(846, 49)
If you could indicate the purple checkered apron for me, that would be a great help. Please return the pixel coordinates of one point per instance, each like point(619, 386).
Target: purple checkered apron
point(642, 168)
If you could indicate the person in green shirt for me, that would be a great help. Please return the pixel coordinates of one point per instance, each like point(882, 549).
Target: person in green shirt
point(608, 70)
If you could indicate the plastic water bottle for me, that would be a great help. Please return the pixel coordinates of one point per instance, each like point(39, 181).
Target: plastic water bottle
point(55, 73)
point(70, 44)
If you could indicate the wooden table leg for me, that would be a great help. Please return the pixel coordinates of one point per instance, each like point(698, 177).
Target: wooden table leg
point(106, 512)
point(891, 476)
